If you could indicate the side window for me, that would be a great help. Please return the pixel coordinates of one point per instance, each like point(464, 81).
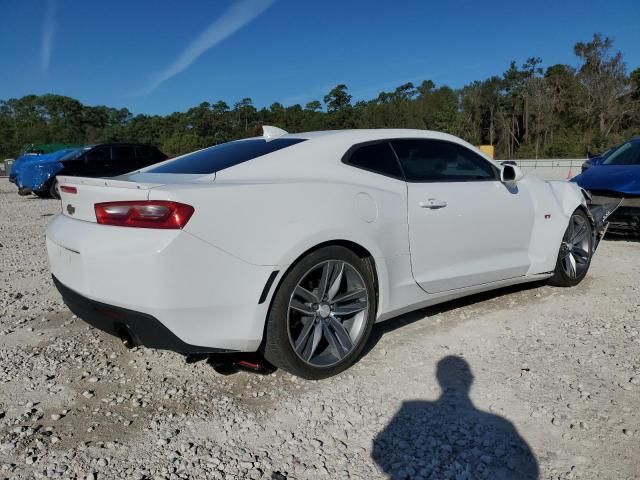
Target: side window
point(158, 156)
point(122, 159)
point(377, 157)
point(122, 154)
point(99, 155)
point(440, 161)
point(142, 153)
point(148, 155)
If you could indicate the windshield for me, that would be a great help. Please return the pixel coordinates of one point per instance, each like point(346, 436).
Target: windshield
point(608, 153)
point(627, 154)
point(225, 155)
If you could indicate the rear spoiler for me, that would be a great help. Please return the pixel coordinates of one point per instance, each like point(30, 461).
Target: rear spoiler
point(104, 182)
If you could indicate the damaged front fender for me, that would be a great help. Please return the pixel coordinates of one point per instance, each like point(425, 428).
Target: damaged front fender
point(600, 217)
point(570, 196)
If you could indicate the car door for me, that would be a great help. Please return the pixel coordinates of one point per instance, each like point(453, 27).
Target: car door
point(466, 227)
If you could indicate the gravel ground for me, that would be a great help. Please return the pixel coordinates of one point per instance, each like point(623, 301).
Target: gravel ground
point(522, 383)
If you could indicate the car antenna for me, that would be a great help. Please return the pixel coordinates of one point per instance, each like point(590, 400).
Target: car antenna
point(269, 132)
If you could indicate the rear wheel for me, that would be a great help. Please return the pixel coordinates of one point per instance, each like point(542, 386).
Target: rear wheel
point(575, 252)
point(322, 314)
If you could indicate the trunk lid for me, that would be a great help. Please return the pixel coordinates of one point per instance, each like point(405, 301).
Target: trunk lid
point(89, 191)
point(135, 186)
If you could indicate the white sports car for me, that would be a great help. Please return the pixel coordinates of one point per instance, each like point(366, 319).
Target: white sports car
point(294, 245)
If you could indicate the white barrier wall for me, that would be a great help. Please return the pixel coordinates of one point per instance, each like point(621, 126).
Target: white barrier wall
point(552, 168)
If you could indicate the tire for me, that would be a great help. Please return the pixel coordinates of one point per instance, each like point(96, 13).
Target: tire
point(53, 189)
point(42, 194)
point(576, 251)
point(315, 319)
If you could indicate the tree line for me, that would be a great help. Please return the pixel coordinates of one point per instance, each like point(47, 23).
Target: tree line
point(527, 112)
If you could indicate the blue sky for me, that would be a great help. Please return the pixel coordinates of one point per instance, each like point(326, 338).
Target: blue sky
point(160, 56)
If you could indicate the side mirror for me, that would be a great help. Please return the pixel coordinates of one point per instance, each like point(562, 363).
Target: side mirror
point(510, 173)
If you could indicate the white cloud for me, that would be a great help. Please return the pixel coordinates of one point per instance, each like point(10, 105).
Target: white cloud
point(237, 16)
point(49, 27)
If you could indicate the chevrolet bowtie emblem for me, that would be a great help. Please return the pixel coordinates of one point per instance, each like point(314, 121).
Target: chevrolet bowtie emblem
point(71, 209)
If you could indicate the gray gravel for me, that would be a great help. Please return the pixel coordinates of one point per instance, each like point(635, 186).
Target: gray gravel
point(526, 382)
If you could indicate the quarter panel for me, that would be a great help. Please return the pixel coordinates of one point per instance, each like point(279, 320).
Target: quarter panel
point(269, 223)
point(275, 223)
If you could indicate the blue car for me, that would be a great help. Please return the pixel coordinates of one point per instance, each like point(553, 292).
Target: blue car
point(37, 173)
point(34, 173)
point(614, 178)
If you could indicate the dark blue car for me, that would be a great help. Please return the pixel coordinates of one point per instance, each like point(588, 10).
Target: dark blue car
point(617, 176)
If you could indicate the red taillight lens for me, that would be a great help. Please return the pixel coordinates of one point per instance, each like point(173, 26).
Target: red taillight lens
point(144, 214)
point(68, 189)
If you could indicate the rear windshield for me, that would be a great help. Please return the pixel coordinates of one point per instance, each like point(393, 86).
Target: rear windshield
point(225, 155)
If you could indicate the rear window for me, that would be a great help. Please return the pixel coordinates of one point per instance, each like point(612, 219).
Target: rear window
point(377, 157)
point(225, 155)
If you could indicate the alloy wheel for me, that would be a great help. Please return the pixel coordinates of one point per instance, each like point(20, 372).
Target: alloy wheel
point(327, 313)
point(575, 250)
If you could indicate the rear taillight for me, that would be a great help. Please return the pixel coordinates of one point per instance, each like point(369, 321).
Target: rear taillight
point(144, 214)
point(68, 189)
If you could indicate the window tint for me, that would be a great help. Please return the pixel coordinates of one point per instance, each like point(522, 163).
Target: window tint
point(146, 156)
point(122, 154)
point(439, 161)
point(99, 154)
point(144, 153)
point(377, 157)
point(225, 155)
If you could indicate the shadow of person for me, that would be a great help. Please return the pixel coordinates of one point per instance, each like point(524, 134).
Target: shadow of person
point(450, 438)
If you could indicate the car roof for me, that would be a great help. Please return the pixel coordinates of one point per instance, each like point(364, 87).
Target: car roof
point(348, 138)
point(123, 144)
point(369, 134)
point(309, 159)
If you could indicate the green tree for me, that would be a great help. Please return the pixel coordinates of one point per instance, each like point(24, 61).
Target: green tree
point(337, 99)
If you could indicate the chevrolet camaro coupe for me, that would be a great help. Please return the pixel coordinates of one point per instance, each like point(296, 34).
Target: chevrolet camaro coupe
point(291, 246)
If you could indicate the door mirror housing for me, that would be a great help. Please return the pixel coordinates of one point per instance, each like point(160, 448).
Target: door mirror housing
point(510, 173)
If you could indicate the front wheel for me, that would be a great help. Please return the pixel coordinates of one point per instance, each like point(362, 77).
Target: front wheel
point(321, 314)
point(575, 252)
point(54, 189)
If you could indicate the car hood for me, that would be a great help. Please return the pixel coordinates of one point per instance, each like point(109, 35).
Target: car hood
point(618, 178)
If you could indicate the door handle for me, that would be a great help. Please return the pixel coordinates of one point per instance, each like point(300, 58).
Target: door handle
point(433, 204)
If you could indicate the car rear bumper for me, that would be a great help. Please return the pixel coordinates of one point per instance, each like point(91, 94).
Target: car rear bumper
point(136, 328)
point(166, 280)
